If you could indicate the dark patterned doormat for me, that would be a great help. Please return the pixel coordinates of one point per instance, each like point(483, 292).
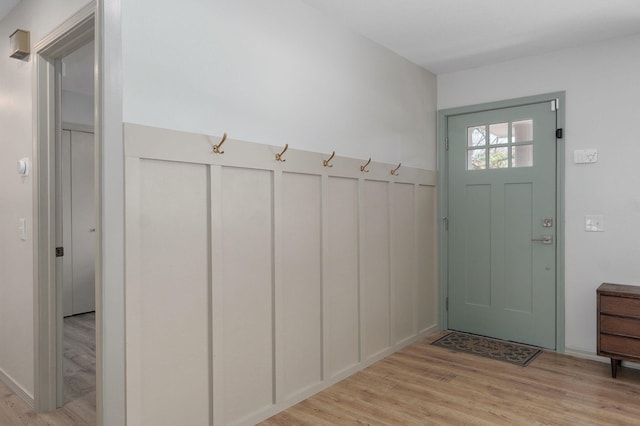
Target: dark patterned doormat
point(514, 353)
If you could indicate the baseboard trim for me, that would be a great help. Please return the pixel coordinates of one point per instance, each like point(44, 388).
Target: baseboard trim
point(17, 389)
point(592, 356)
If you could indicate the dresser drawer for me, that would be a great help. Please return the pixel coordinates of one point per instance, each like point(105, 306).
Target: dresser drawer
point(620, 306)
point(617, 325)
point(625, 346)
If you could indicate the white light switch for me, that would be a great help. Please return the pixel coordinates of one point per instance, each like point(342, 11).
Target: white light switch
point(23, 167)
point(594, 223)
point(585, 156)
point(23, 229)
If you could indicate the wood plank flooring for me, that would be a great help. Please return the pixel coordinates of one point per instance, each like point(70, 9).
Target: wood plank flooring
point(79, 371)
point(79, 364)
point(424, 384)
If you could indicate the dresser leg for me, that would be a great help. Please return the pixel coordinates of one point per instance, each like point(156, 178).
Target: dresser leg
point(614, 366)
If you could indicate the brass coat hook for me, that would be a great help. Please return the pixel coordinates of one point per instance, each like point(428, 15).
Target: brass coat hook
point(326, 162)
point(395, 171)
point(364, 167)
point(216, 148)
point(279, 156)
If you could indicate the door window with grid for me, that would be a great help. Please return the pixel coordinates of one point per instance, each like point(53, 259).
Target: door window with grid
point(500, 145)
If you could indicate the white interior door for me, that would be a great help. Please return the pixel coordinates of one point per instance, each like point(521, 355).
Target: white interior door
point(78, 222)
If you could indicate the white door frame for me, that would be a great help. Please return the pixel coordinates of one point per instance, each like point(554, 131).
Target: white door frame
point(70, 35)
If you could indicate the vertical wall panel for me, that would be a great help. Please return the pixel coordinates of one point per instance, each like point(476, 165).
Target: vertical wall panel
point(375, 276)
point(341, 278)
point(426, 255)
point(301, 287)
point(403, 278)
point(167, 305)
point(247, 291)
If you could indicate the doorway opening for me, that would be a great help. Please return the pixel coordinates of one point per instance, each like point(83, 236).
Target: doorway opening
point(75, 199)
point(67, 231)
point(502, 208)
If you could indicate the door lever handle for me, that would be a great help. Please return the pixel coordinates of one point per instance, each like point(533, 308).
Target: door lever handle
point(546, 239)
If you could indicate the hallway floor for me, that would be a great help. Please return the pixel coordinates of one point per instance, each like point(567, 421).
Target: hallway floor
point(80, 363)
point(80, 389)
point(424, 384)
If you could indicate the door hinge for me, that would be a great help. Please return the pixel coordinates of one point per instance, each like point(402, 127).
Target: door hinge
point(446, 304)
point(59, 251)
point(446, 223)
point(555, 104)
point(559, 134)
point(446, 144)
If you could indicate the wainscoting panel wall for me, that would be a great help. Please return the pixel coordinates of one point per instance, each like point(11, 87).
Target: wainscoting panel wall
point(403, 271)
point(246, 291)
point(341, 277)
point(426, 256)
point(252, 283)
point(300, 298)
point(167, 308)
point(376, 277)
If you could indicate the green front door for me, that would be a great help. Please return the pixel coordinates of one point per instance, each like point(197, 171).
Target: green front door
point(501, 167)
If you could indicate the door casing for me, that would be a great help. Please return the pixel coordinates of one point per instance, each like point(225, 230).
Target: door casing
point(70, 35)
point(443, 116)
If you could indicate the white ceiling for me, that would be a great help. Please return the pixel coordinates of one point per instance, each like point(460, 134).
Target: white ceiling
point(6, 6)
point(451, 35)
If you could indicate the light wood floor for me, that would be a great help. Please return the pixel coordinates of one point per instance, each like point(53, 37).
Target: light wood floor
point(79, 364)
point(79, 373)
point(424, 384)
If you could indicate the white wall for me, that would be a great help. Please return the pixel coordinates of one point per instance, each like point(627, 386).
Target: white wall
point(602, 84)
point(16, 193)
point(274, 72)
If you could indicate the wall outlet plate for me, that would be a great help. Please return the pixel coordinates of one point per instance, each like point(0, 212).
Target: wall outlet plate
point(594, 223)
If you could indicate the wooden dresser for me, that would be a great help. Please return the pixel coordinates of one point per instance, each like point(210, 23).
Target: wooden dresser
point(619, 323)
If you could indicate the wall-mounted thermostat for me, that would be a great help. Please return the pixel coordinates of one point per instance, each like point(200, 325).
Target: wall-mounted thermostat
point(23, 166)
point(585, 156)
